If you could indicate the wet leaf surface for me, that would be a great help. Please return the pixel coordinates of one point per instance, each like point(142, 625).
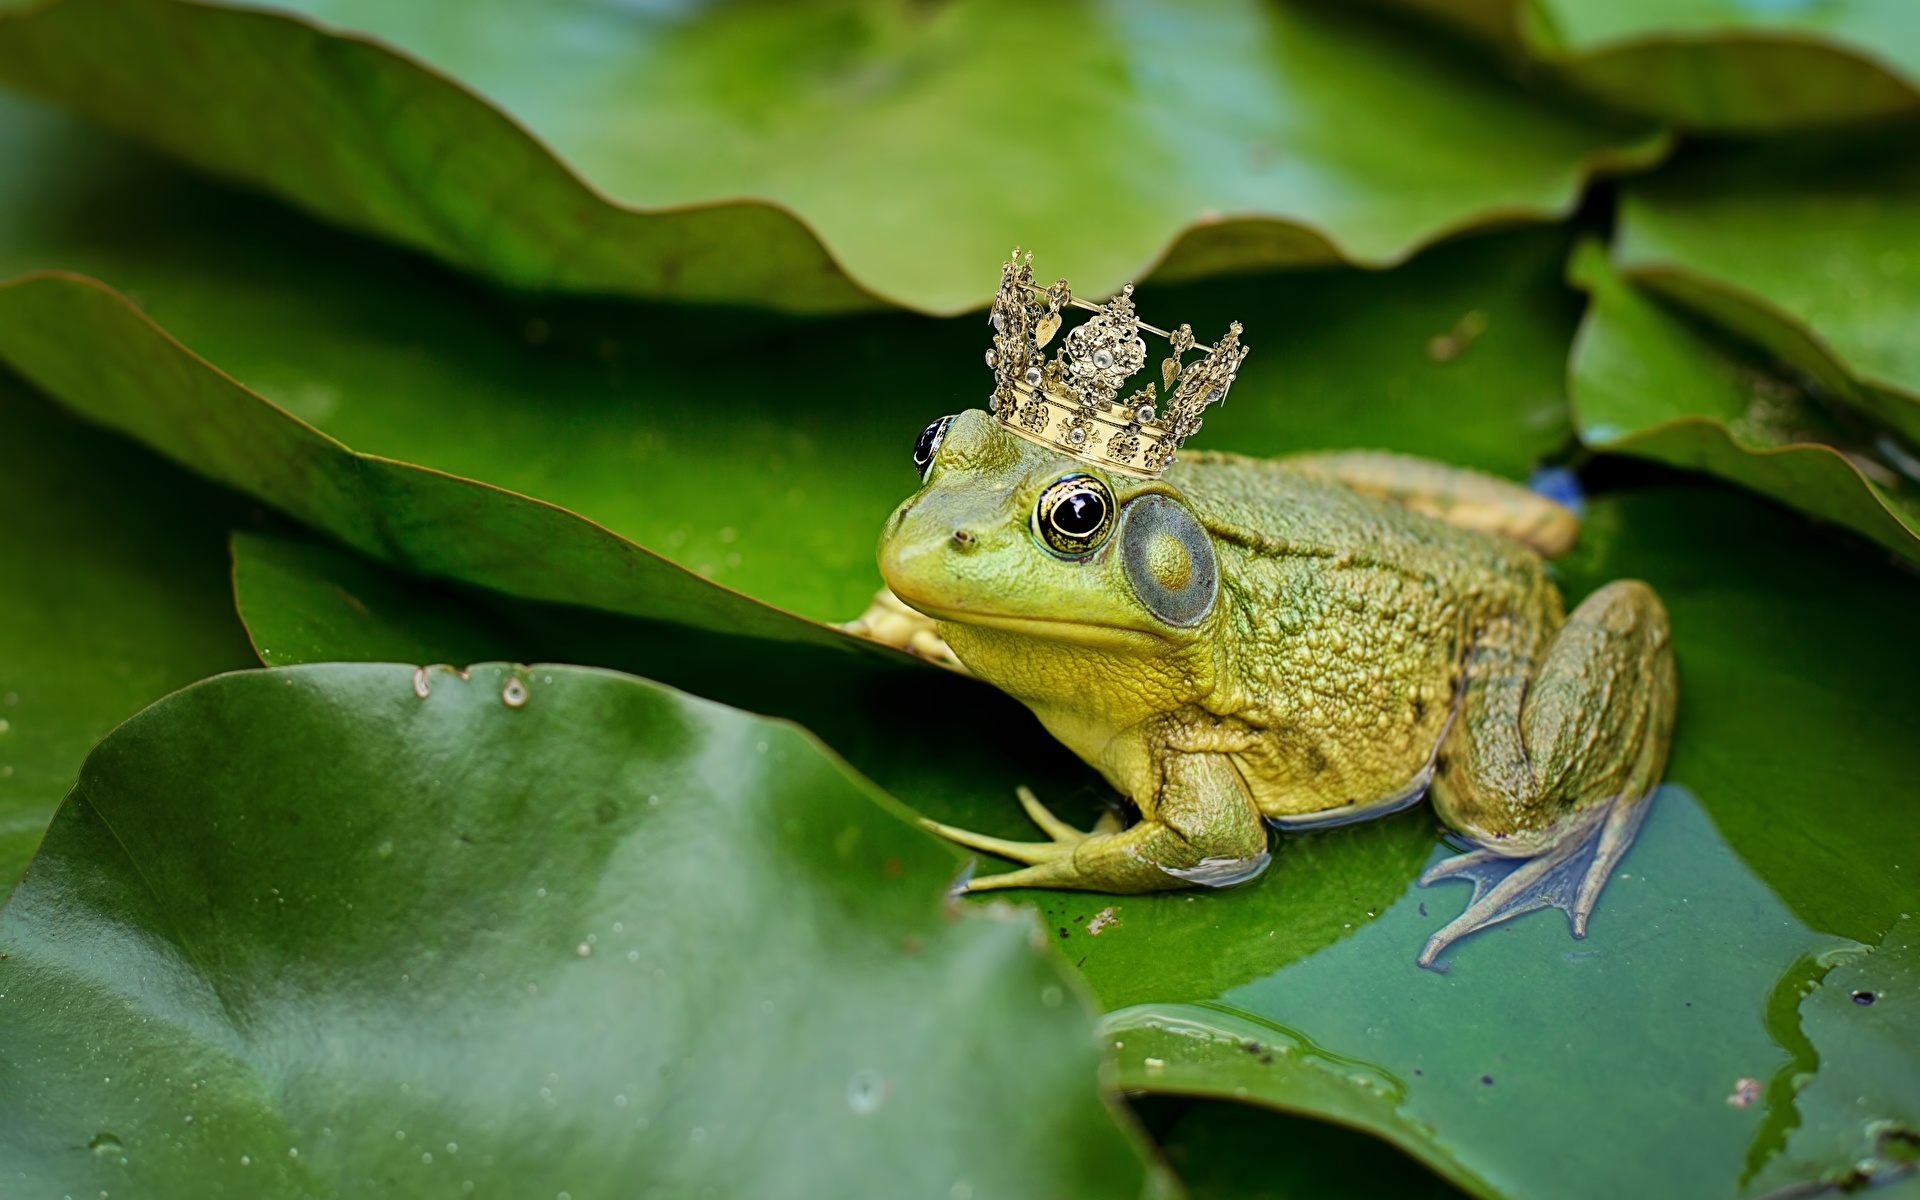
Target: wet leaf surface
point(1739, 66)
point(1647, 380)
point(304, 932)
point(1856, 1121)
point(763, 454)
point(115, 593)
point(1273, 134)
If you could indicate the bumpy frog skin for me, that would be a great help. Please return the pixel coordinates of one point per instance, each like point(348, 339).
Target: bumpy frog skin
point(1298, 643)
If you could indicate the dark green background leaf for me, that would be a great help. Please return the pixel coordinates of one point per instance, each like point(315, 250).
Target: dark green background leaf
point(1647, 381)
point(115, 593)
point(920, 143)
point(1809, 247)
point(304, 932)
point(762, 453)
point(1741, 66)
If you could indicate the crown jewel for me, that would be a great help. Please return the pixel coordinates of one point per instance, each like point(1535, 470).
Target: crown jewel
point(1072, 402)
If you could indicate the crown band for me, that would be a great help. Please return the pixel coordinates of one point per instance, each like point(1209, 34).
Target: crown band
point(1072, 403)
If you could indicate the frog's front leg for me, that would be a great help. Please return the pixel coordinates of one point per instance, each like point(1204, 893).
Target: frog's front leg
point(1553, 755)
point(1200, 827)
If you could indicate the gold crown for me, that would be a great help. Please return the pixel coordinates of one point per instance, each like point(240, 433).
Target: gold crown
point(1072, 402)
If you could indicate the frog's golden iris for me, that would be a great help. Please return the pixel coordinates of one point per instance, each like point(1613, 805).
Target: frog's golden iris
point(1074, 515)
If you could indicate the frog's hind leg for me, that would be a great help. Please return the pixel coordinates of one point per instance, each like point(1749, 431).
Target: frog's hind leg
point(1550, 768)
point(1453, 494)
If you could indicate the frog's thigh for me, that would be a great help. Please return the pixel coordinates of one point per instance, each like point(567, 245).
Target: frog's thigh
point(1552, 764)
point(1453, 494)
point(1201, 828)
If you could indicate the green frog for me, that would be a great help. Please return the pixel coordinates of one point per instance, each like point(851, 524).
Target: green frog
point(1291, 643)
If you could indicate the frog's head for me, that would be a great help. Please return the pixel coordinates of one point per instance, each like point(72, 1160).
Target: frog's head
point(1037, 565)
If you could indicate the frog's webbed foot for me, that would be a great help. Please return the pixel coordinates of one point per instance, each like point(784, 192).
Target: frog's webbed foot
point(891, 623)
point(1568, 875)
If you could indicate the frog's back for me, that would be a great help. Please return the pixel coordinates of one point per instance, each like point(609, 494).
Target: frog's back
point(1278, 511)
point(1348, 615)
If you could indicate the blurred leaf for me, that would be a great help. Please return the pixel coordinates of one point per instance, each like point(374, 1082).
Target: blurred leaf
point(1724, 65)
point(115, 594)
point(1855, 1122)
point(1647, 381)
point(96, 353)
point(918, 143)
point(1545, 1067)
point(1809, 247)
point(763, 453)
point(303, 931)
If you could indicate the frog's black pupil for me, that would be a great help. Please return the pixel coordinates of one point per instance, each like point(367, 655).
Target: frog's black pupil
point(1079, 514)
point(929, 443)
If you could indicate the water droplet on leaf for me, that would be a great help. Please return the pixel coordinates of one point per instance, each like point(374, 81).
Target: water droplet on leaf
point(866, 1091)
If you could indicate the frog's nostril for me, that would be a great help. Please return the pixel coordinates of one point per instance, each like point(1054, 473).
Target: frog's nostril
point(963, 537)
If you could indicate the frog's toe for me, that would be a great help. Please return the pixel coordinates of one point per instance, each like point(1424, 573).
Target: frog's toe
point(1567, 875)
point(1056, 828)
point(1030, 853)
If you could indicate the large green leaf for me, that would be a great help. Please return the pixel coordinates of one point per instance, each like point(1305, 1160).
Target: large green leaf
point(306, 932)
point(114, 594)
point(1809, 247)
point(1648, 381)
point(1540, 1066)
point(1724, 65)
point(918, 143)
point(764, 454)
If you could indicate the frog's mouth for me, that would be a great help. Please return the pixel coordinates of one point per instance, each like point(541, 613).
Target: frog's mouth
point(1048, 629)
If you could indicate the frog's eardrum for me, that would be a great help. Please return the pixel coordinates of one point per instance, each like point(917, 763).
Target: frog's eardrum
point(1168, 560)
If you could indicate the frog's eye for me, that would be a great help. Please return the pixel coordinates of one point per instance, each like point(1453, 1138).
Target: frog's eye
point(928, 444)
point(1074, 515)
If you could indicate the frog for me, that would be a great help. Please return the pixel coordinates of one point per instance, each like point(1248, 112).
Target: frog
point(1251, 648)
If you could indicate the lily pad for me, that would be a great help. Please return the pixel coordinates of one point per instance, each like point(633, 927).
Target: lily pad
point(1540, 1066)
point(115, 594)
point(1647, 380)
point(608, 149)
point(545, 931)
point(1724, 65)
point(1807, 247)
point(763, 454)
